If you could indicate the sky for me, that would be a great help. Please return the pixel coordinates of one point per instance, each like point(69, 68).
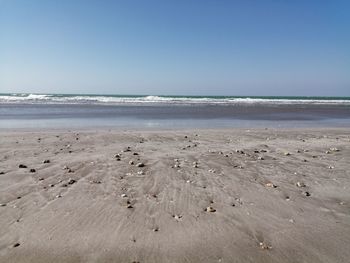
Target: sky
point(179, 47)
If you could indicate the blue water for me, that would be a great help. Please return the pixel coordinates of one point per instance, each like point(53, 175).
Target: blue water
point(80, 111)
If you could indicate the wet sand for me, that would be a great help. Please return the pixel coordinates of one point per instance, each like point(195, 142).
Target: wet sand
point(229, 195)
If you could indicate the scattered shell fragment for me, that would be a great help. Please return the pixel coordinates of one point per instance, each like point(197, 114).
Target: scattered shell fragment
point(271, 185)
point(124, 195)
point(16, 245)
point(287, 153)
point(32, 170)
point(95, 181)
point(140, 165)
point(264, 246)
point(46, 161)
point(210, 209)
point(334, 149)
point(22, 166)
point(300, 184)
point(131, 162)
point(177, 217)
point(307, 194)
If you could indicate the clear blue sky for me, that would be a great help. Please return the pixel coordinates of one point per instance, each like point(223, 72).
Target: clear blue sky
point(203, 47)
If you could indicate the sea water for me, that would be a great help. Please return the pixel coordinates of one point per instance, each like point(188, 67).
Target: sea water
point(142, 111)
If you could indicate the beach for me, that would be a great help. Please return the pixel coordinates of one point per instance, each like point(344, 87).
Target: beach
point(186, 195)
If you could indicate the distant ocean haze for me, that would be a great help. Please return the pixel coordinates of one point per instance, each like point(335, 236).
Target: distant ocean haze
point(139, 111)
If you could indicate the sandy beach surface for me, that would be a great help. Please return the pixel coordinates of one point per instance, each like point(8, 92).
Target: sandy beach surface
point(234, 195)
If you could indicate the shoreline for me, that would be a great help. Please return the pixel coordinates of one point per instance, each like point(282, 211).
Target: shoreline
point(194, 195)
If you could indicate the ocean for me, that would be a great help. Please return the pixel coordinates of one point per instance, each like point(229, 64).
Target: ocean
point(142, 111)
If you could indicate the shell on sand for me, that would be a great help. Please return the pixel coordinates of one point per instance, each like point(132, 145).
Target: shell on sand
point(270, 185)
point(210, 209)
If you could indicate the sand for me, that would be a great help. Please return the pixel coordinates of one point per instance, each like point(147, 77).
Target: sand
point(175, 196)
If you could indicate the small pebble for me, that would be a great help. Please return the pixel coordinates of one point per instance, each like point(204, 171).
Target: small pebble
point(127, 149)
point(46, 161)
point(71, 181)
point(3, 204)
point(22, 166)
point(16, 245)
point(32, 170)
point(131, 162)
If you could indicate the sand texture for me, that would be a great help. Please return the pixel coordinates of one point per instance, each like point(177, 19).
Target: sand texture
point(175, 196)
